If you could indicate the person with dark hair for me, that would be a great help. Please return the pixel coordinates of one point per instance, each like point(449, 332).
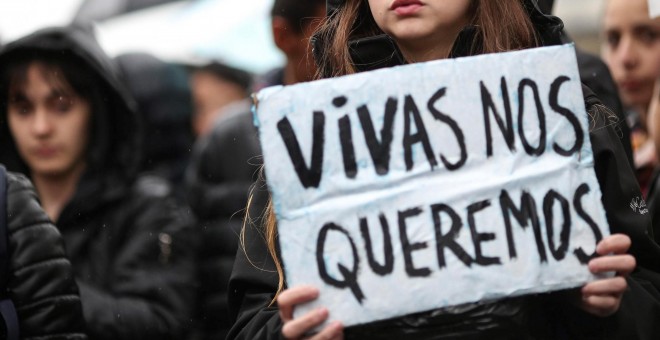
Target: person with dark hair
point(595, 74)
point(164, 102)
point(68, 123)
point(40, 282)
point(631, 49)
point(216, 86)
point(226, 162)
point(362, 35)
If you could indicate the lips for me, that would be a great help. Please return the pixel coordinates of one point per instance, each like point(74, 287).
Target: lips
point(406, 7)
point(631, 85)
point(45, 151)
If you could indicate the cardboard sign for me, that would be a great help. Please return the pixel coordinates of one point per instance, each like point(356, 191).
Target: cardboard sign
point(654, 8)
point(433, 184)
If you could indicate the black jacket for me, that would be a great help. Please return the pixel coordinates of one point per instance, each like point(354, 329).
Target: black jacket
point(549, 316)
point(41, 284)
point(124, 236)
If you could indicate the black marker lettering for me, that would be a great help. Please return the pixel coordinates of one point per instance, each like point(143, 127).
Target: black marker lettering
point(506, 128)
point(539, 111)
point(407, 247)
point(582, 190)
point(349, 276)
point(388, 255)
point(548, 203)
point(477, 237)
point(347, 150)
point(526, 213)
point(380, 151)
point(410, 110)
point(309, 176)
point(569, 115)
point(448, 240)
point(460, 138)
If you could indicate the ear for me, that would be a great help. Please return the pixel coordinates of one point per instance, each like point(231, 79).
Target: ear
point(284, 35)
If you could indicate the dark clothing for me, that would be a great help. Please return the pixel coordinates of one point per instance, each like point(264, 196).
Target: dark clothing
point(222, 169)
point(654, 203)
point(595, 74)
point(224, 165)
point(41, 286)
point(164, 102)
point(126, 239)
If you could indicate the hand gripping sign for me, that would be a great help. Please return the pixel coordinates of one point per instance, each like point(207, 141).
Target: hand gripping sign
point(433, 184)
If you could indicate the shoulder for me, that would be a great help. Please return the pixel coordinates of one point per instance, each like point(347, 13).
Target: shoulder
point(18, 182)
point(23, 207)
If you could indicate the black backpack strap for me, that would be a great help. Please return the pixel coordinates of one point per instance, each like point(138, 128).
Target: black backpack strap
point(7, 308)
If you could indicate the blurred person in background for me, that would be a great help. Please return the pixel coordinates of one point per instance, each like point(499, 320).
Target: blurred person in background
point(595, 74)
point(632, 51)
point(38, 276)
point(226, 162)
point(68, 123)
point(215, 86)
point(164, 102)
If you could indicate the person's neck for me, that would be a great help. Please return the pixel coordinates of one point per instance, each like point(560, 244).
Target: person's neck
point(55, 191)
point(290, 77)
point(419, 51)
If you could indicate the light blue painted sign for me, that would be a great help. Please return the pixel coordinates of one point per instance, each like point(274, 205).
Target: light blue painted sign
point(433, 184)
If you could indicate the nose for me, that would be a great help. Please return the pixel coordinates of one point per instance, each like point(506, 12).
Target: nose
point(42, 125)
point(628, 53)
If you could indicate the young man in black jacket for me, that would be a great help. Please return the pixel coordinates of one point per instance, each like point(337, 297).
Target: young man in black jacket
point(68, 123)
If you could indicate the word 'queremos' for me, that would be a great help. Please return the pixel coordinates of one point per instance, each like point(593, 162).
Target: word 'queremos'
point(527, 214)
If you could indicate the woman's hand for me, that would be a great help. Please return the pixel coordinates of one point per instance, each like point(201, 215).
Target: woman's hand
point(603, 297)
point(297, 328)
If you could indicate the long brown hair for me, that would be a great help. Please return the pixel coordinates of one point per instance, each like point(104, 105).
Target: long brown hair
point(501, 26)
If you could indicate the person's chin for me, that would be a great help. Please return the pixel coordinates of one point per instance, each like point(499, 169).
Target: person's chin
point(48, 169)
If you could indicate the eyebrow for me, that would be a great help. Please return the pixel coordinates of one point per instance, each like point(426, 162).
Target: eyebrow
point(19, 95)
point(645, 27)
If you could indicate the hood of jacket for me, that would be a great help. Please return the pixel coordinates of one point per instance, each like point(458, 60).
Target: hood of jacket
point(381, 51)
point(113, 152)
point(164, 102)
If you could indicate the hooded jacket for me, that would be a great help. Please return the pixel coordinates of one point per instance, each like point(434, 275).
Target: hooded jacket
point(123, 234)
point(41, 283)
point(164, 102)
point(547, 316)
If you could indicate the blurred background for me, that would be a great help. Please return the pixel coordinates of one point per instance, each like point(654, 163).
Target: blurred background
point(182, 31)
point(195, 31)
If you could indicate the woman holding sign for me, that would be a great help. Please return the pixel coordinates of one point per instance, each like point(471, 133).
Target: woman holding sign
point(384, 33)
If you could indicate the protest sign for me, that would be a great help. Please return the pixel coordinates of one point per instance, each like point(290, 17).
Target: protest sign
point(433, 184)
point(654, 8)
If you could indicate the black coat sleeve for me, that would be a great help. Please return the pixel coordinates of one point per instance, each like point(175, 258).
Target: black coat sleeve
point(626, 214)
point(42, 284)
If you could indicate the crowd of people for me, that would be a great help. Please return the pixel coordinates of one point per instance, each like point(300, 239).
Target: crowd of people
point(137, 206)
